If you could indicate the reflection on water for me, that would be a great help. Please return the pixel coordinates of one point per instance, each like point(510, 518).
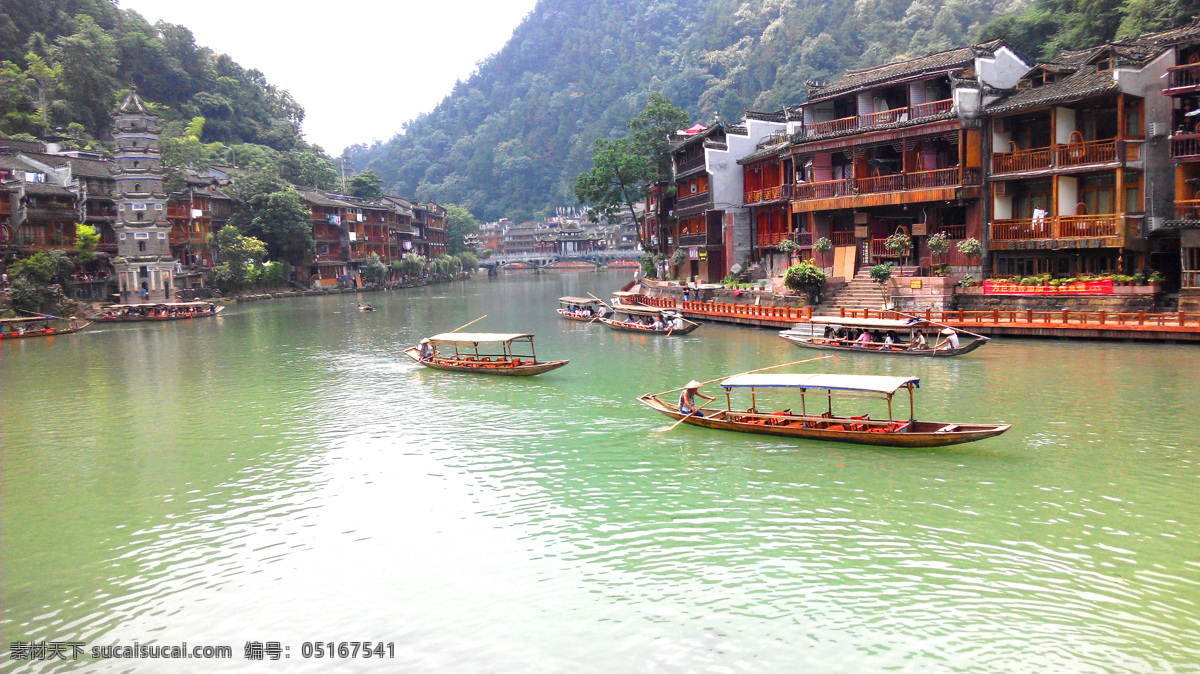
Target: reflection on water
point(282, 472)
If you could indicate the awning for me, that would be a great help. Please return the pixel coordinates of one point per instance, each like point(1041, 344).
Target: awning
point(577, 300)
point(889, 324)
point(837, 382)
point(475, 337)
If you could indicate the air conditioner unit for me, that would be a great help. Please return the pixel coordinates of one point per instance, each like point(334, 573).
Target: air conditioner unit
point(1002, 189)
point(1154, 222)
point(1155, 129)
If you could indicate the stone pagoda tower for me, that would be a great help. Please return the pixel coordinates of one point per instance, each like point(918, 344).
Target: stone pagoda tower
point(143, 232)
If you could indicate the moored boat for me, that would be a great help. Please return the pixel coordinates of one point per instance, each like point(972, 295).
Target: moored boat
point(157, 311)
point(912, 337)
point(580, 308)
point(651, 320)
point(813, 423)
point(42, 326)
point(482, 353)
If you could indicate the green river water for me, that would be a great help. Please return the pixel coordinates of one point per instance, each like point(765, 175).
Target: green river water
point(283, 473)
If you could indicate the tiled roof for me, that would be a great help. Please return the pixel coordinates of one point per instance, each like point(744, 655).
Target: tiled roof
point(696, 138)
point(1083, 81)
point(950, 59)
point(47, 189)
point(800, 138)
point(24, 145)
point(91, 168)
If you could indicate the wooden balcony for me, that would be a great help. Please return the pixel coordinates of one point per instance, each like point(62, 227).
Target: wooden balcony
point(953, 232)
point(767, 194)
point(803, 239)
point(1071, 155)
point(1185, 146)
point(1188, 209)
point(1058, 227)
point(931, 108)
point(892, 183)
point(832, 126)
point(842, 238)
point(881, 118)
point(1190, 278)
point(752, 197)
point(1183, 78)
point(947, 178)
point(690, 165)
point(693, 239)
point(771, 239)
point(692, 200)
point(824, 190)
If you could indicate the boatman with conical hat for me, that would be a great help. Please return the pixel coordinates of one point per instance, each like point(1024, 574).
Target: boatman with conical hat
point(687, 399)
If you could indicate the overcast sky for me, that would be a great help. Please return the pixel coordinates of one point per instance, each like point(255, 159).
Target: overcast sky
point(360, 68)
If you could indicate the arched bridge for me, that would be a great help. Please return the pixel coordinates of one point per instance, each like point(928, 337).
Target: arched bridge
point(597, 259)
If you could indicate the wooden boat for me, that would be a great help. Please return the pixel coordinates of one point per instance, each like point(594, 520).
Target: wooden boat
point(43, 326)
point(157, 311)
point(365, 307)
point(905, 337)
point(823, 425)
point(580, 308)
point(638, 318)
point(497, 357)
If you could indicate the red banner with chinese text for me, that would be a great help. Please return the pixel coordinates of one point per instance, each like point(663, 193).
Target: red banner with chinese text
point(1104, 287)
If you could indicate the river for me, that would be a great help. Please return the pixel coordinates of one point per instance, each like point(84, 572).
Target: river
point(282, 473)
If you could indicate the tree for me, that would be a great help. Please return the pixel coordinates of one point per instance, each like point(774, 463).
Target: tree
point(806, 278)
point(374, 270)
point(239, 256)
point(308, 166)
point(366, 185)
point(86, 240)
point(469, 261)
point(618, 178)
point(651, 132)
point(267, 208)
point(412, 265)
point(89, 62)
point(460, 225)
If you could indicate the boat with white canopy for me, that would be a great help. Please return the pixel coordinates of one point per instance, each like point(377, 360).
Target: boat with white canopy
point(899, 337)
point(482, 353)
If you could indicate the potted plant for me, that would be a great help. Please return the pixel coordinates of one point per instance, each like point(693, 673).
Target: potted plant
point(805, 278)
point(899, 243)
point(679, 256)
point(823, 245)
point(971, 248)
point(939, 245)
point(967, 281)
point(787, 247)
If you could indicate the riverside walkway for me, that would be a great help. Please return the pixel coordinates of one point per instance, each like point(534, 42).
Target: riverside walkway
point(1173, 327)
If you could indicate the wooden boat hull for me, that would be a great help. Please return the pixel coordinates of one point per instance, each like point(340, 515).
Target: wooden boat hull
point(919, 434)
point(504, 371)
point(571, 317)
point(139, 319)
point(820, 344)
point(65, 331)
point(625, 327)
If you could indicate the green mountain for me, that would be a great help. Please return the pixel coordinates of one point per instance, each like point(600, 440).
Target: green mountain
point(64, 64)
point(510, 140)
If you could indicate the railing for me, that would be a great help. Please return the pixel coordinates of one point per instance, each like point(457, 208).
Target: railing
point(1088, 226)
point(947, 177)
point(842, 238)
point(824, 190)
point(752, 196)
point(802, 239)
point(1185, 145)
point(1057, 227)
point(953, 232)
point(690, 164)
point(1184, 76)
point(1094, 152)
point(789, 314)
point(931, 108)
point(1190, 278)
point(776, 193)
point(1021, 161)
point(1053, 319)
point(691, 200)
point(695, 239)
point(771, 239)
point(892, 183)
point(1188, 210)
point(878, 248)
point(883, 117)
point(832, 126)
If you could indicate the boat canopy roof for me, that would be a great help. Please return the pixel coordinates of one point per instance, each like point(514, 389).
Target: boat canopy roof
point(35, 319)
point(891, 324)
point(835, 382)
point(476, 337)
point(157, 304)
point(624, 293)
point(576, 300)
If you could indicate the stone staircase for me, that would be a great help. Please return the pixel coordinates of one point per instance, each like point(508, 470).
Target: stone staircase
point(860, 293)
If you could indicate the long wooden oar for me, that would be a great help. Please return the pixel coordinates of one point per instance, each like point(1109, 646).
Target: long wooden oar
point(901, 313)
point(471, 323)
point(599, 300)
point(761, 369)
point(685, 417)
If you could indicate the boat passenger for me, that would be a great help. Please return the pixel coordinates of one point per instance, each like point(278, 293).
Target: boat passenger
point(658, 323)
point(687, 399)
point(864, 339)
point(919, 342)
point(950, 342)
point(74, 322)
point(678, 323)
point(889, 340)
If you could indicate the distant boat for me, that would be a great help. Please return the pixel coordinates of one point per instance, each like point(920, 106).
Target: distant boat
point(157, 311)
point(580, 309)
point(24, 328)
point(483, 353)
point(639, 318)
point(365, 307)
point(906, 340)
point(817, 424)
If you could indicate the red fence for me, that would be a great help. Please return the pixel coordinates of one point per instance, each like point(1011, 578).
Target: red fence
point(1188, 322)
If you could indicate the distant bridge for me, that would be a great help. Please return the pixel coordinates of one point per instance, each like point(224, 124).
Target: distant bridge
point(597, 259)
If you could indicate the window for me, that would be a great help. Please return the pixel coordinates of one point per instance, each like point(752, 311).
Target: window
point(141, 246)
point(1133, 119)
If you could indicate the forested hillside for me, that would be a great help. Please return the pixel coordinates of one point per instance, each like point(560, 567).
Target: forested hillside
point(510, 140)
point(65, 63)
